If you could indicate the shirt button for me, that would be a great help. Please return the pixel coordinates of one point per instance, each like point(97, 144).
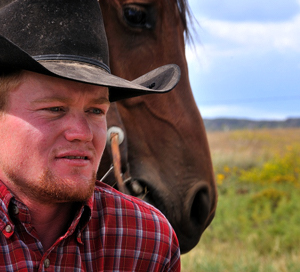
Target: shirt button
point(8, 228)
point(47, 263)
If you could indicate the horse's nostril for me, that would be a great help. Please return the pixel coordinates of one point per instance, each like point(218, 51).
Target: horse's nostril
point(200, 207)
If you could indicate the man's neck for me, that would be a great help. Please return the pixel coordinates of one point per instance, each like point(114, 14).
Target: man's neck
point(50, 221)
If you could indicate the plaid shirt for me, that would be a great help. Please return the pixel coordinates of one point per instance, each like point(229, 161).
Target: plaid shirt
point(111, 232)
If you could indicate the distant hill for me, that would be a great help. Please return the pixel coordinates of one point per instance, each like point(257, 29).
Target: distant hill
point(233, 124)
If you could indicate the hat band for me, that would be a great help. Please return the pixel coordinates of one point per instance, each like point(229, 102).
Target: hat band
point(73, 58)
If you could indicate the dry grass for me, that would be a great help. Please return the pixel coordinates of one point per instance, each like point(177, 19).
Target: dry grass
point(250, 147)
point(236, 257)
point(256, 227)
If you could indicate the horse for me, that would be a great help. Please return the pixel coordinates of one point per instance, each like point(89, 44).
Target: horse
point(165, 157)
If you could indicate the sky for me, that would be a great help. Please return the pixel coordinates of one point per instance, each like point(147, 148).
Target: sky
point(244, 61)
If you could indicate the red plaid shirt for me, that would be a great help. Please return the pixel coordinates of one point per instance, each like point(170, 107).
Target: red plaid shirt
point(111, 232)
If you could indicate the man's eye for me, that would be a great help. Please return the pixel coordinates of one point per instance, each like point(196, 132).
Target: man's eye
point(55, 109)
point(96, 111)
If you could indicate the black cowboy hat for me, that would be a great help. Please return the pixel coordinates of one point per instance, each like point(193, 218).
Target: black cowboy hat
point(67, 39)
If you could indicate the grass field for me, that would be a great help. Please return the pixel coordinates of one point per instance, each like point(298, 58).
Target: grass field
point(257, 224)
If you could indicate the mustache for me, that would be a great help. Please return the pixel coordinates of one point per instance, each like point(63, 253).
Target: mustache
point(76, 149)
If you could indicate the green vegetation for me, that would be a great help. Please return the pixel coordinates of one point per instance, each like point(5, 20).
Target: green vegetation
point(257, 225)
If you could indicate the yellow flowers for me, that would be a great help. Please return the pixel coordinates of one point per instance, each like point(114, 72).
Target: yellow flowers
point(220, 179)
point(262, 157)
point(256, 226)
point(227, 171)
point(280, 169)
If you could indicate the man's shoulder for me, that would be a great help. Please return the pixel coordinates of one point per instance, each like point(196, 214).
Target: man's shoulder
point(112, 198)
point(131, 214)
point(136, 227)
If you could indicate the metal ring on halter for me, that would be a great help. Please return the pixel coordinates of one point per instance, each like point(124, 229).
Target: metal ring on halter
point(115, 130)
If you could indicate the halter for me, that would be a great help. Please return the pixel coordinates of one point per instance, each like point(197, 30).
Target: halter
point(115, 136)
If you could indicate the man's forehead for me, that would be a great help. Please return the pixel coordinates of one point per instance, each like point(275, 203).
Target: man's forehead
point(54, 88)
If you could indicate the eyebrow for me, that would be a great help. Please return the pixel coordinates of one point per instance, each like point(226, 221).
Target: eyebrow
point(100, 100)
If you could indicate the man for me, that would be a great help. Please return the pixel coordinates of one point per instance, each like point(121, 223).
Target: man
point(55, 90)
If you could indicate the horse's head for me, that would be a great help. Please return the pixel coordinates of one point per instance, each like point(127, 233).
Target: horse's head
point(168, 152)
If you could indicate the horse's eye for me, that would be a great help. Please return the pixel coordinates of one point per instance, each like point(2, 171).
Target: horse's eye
point(137, 16)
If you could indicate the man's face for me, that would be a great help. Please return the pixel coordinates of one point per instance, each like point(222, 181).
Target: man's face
point(53, 134)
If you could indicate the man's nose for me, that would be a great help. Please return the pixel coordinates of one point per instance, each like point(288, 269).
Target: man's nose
point(78, 128)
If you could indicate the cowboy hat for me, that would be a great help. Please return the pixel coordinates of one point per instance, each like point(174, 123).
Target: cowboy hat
point(67, 39)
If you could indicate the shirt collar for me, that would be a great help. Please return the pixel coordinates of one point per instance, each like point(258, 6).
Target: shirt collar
point(5, 197)
point(81, 219)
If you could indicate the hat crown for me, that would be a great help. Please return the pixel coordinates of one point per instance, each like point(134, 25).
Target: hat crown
point(56, 27)
point(67, 39)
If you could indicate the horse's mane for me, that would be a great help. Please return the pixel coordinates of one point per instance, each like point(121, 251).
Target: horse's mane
point(185, 15)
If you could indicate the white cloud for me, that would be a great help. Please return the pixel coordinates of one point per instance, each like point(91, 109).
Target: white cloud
point(280, 36)
point(231, 51)
point(199, 58)
point(246, 10)
point(223, 39)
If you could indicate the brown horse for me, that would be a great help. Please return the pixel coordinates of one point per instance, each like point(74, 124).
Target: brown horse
point(165, 152)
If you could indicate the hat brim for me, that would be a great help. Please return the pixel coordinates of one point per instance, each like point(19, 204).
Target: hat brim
point(160, 80)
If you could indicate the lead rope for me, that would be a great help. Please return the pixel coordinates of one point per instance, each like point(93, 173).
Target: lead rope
point(114, 141)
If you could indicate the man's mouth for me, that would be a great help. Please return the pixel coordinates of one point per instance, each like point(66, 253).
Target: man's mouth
point(76, 157)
